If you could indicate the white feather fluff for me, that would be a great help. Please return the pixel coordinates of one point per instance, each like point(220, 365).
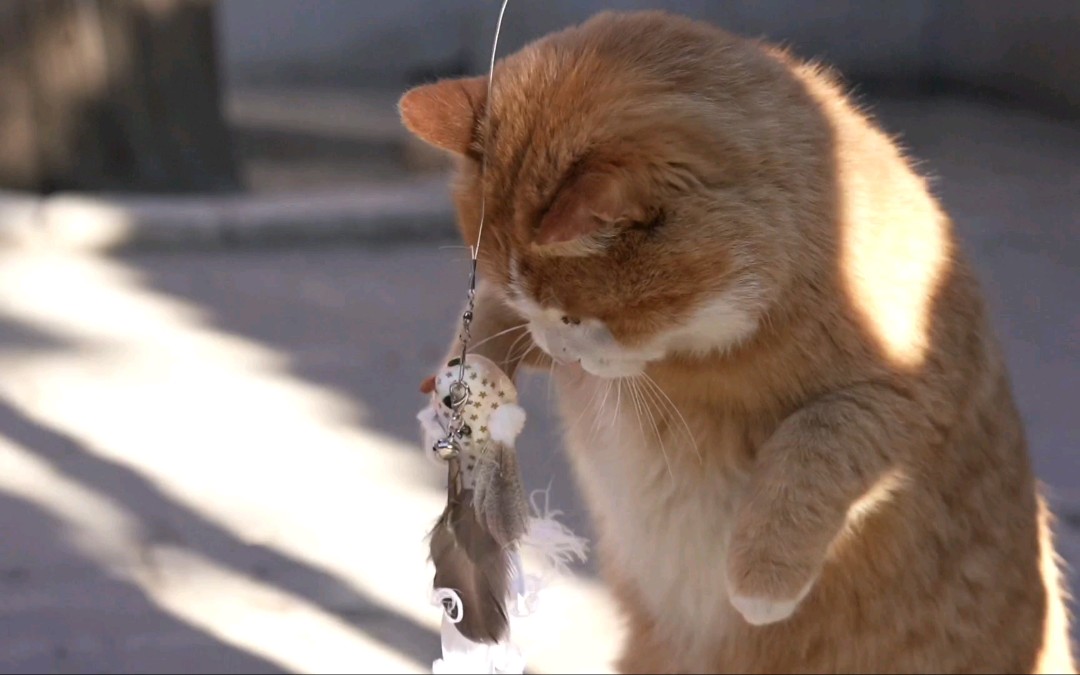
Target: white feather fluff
point(506, 423)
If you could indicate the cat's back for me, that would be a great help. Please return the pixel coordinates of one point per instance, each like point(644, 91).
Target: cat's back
point(948, 564)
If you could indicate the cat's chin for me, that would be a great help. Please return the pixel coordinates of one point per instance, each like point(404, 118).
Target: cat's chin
point(613, 369)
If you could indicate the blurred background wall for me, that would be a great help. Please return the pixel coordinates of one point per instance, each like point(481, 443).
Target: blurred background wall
point(201, 96)
point(1026, 51)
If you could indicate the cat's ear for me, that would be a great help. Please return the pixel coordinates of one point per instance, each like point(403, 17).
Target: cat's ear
point(588, 206)
point(444, 113)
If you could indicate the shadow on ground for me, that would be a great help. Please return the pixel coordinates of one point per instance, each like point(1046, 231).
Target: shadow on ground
point(131, 635)
point(136, 635)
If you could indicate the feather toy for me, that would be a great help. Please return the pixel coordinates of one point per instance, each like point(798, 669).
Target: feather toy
point(476, 542)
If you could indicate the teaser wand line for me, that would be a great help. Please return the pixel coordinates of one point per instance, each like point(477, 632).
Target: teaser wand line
point(448, 447)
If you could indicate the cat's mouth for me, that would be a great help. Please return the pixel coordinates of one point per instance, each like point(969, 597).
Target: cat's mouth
point(574, 347)
point(607, 368)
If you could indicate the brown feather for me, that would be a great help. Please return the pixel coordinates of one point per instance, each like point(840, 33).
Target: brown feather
point(499, 495)
point(469, 560)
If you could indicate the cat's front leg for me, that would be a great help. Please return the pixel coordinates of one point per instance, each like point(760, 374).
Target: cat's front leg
point(817, 464)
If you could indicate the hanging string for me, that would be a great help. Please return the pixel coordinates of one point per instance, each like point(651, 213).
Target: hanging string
point(459, 389)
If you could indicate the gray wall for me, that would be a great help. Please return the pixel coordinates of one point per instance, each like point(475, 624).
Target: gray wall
point(1028, 50)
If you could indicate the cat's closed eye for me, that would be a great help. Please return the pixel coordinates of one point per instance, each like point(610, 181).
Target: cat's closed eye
point(657, 219)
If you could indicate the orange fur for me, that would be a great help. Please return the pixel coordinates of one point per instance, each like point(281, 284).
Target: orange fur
point(806, 421)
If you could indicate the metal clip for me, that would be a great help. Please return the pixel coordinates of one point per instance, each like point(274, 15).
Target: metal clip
point(446, 449)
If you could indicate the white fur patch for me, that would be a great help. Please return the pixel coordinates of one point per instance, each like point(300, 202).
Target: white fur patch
point(720, 324)
point(665, 532)
point(506, 423)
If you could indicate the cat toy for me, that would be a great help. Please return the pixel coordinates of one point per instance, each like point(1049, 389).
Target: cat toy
point(471, 424)
point(475, 545)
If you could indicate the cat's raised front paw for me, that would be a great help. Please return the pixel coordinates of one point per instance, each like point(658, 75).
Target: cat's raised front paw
point(763, 611)
point(764, 593)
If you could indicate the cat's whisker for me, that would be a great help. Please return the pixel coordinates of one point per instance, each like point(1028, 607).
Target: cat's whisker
point(594, 402)
point(523, 356)
point(514, 345)
point(637, 406)
point(659, 414)
point(499, 334)
point(659, 438)
point(661, 406)
point(594, 415)
point(551, 379)
point(656, 429)
point(586, 408)
point(512, 351)
point(618, 403)
point(600, 410)
point(519, 359)
point(668, 403)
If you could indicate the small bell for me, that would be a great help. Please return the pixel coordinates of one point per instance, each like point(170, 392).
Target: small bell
point(446, 449)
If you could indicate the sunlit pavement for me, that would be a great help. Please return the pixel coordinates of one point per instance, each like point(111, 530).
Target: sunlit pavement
point(209, 460)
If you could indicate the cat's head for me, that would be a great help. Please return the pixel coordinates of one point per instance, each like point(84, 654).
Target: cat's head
point(643, 180)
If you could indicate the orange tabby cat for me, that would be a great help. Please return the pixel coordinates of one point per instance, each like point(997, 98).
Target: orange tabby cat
point(807, 457)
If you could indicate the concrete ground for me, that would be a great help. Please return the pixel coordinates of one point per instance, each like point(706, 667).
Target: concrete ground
point(209, 460)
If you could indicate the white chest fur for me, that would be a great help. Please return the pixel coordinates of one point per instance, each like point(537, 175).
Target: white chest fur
point(662, 505)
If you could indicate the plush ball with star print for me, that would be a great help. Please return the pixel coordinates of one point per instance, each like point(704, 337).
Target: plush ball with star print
point(491, 412)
